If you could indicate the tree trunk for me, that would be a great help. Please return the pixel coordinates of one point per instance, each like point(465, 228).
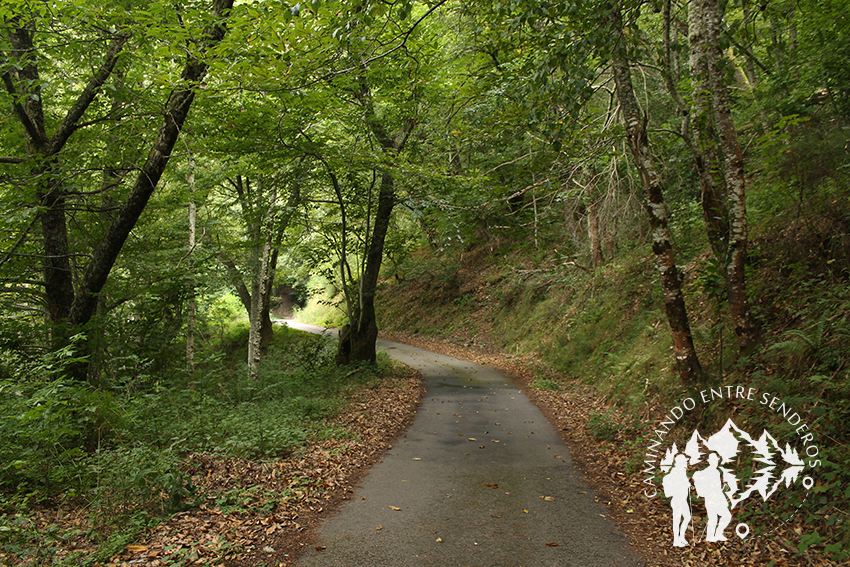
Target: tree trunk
point(735, 180)
point(363, 330)
point(704, 144)
point(593, 235)
point(266, 224)
point(190, 316)
point(687, 362)
point(259, 316)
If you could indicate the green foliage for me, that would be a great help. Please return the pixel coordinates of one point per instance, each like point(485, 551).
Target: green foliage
point(545, 384)
point(123, 457)
point(140, 478)
point(324, 305)
point(516, 142)
point(602, 425)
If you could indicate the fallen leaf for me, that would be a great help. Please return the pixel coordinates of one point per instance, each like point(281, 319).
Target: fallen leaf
point(379, 528)
point(524, 510)
point(551, 545)
point(439, 540)
point(473, 439)
point(137, 548)
point(321, 547)
point(549, 498)
point(394, 508)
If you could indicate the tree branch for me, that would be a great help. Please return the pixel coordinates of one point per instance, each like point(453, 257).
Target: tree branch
point(176, 111)
point(71, 121)
point(32, 131)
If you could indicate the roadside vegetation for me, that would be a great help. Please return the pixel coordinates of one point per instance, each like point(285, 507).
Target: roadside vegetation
point(605, 327)
point(87, 472)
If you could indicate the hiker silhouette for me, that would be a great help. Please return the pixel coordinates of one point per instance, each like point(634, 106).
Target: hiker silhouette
point(709, 486)
point(677, 487)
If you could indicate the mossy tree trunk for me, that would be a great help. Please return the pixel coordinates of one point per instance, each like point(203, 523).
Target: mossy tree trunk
point(687, 362)
point(706, 17)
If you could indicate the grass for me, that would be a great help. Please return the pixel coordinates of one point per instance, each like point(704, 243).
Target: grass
point(607, 328)
point(121, 455)
point(325, 305)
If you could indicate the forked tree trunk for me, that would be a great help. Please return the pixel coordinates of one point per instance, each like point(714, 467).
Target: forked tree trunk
point(687, 362)
point(363, 332)
point(359, 344)
point(734, 176)
point(257, 314)
point(71, 308)
point(266, 222)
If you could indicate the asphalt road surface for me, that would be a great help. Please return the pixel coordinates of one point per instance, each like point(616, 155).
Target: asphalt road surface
point(480, 479)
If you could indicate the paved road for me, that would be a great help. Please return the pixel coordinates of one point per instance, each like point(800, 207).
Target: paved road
point(480, 479)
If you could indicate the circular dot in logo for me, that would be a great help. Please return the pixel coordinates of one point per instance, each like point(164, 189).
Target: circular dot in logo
point(743, 530)
point(808, 483)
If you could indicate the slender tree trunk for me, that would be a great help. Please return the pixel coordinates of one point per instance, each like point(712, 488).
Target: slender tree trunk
point(705, 144)
point(190, 317)
point(735, 181)
point(687, 362)
point(593, 235)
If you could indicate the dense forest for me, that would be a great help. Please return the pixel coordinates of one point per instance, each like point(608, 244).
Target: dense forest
point(647, 196)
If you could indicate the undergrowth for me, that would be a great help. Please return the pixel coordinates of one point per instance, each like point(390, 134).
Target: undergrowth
point(606, 327)
point(120, 454)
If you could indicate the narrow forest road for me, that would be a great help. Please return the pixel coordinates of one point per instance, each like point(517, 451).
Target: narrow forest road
point(481, 478)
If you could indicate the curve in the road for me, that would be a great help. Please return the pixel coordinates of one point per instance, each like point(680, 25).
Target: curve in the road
point(481, 478)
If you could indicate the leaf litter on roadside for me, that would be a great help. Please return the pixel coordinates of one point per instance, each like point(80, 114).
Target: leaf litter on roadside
point(264, 512)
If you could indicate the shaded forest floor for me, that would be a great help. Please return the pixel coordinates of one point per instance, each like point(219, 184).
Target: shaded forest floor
point(249, 512)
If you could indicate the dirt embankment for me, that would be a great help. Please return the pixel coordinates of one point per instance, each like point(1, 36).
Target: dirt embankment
point(645, 521)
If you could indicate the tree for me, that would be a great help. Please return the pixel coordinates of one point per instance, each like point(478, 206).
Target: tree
point(388, 128)
point(264, 221)
point(71, 295)
point(687, 362)
point(712, 120)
